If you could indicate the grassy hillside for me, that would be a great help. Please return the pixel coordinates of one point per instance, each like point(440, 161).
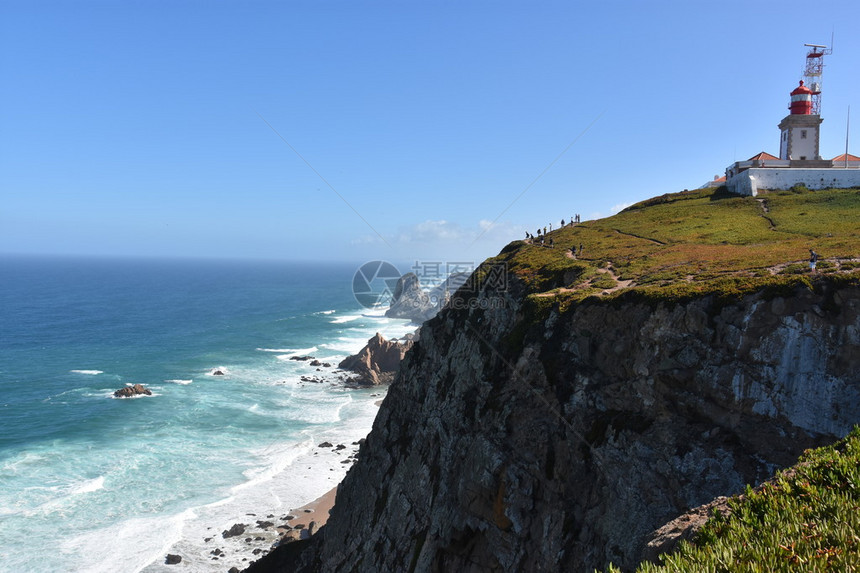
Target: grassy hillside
point(693, 243)
point(805, 519)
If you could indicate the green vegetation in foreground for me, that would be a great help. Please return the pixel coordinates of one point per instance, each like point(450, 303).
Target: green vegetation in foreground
point(806, 519)
point(695, 243)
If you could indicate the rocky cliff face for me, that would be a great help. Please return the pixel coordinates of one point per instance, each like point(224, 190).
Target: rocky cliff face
point(517, 440)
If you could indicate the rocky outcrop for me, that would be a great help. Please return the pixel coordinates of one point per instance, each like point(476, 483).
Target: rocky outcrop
point(236, 529)
point(132, 391)
point(667, 538)
point(522, 438)
point(377, 362)
point(409, 301)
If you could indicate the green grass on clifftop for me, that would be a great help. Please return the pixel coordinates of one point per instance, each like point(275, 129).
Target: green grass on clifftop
point(806, 519)
point(694, 243)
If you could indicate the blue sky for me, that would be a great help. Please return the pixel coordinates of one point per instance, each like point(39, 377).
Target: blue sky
point(143, 128)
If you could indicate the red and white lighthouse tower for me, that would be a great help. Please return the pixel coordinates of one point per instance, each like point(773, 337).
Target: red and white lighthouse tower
point(799, 131)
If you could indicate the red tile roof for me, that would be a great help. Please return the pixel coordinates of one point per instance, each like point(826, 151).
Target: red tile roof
point(761, 156)
point(842, 158)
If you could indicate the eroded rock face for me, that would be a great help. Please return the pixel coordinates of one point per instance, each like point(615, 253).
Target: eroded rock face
point(378, 361)
point(510, 443)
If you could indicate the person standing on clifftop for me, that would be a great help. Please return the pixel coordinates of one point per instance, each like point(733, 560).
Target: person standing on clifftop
point(813, 259)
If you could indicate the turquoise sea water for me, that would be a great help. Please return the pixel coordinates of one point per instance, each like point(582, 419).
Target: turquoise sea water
point(94, 483)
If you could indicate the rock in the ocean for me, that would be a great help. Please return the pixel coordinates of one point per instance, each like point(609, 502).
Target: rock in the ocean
point(237, 529)
point(172, 559)
point(409, 301)
point(377, 362)
point(134, 390)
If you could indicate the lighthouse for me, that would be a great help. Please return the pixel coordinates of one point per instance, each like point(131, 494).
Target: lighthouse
point(799, 162)
point(799, 131)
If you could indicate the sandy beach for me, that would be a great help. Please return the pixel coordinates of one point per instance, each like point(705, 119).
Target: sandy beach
point(306, 520)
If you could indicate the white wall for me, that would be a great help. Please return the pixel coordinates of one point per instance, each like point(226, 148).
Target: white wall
point(752, 180)
point(803, 147)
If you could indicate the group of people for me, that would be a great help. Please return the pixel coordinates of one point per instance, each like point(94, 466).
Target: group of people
point(540, 240)
point(540, 234)
point(540, 237)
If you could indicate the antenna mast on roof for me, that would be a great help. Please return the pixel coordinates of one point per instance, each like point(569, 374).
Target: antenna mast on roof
point(812, 72)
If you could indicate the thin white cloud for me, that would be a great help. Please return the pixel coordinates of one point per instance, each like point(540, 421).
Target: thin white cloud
point(447, 239)
point(619, 207)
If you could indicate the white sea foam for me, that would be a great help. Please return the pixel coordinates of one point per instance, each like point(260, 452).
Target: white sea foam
point(345, 318)
point(88, 486)
point(282, 477)
point(177, 381)
point(134, 543)
point(278, 456)
point(347, 345)
point(290, 351)
point(325, 312)
point(375, 313)
point(60, 495)
point(87, 372)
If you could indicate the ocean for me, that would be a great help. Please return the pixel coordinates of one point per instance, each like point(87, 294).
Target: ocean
point(92, 483)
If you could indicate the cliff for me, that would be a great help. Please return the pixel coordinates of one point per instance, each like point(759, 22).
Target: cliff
point(550, 421)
